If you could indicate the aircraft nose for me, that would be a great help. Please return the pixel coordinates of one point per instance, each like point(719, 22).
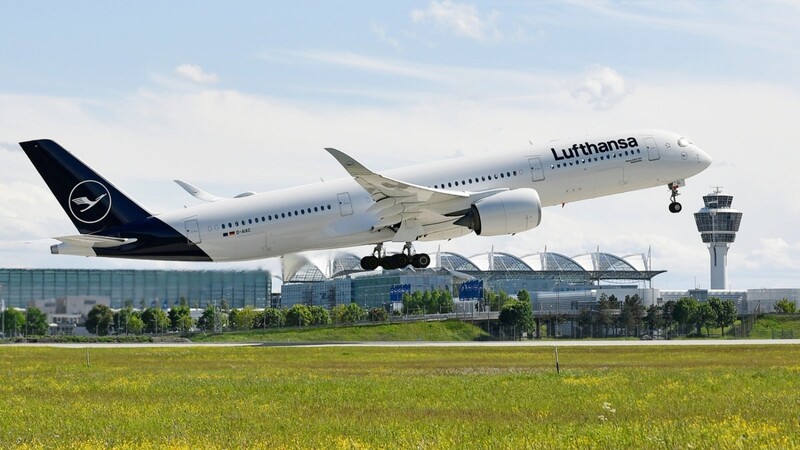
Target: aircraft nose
point(703, 158)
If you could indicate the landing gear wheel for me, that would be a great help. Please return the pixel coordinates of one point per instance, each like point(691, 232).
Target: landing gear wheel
point(397, 261)
point(370, 262)
point(675, 207)
point(420, 260)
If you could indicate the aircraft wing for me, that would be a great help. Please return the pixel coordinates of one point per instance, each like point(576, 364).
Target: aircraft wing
point(400, 202)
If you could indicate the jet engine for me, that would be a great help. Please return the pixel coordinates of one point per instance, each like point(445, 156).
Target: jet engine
point(506, 212)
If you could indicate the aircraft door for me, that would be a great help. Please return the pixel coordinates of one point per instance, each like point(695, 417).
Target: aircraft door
point(652, 149)
point(345, 207)
point(537, 173)
point(192, 232)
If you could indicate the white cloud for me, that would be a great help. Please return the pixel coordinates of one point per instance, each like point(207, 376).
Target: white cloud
point(602, 87)
point(460, 19)
point(195, 73)
point(380, 31)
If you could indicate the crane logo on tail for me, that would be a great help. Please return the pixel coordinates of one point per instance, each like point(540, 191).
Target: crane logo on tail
point(90, 201)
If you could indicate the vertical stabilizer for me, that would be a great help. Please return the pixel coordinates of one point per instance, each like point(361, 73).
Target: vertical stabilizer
point(91, 202)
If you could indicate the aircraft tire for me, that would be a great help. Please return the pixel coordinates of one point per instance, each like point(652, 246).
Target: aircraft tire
point(675, 207)
point(421, 260)
point(370, 262)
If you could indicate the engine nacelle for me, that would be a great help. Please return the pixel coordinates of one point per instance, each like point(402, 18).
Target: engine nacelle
point(506, 212)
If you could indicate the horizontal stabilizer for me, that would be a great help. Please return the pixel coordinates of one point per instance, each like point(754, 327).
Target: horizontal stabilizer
point(88, 240)
point(84, 244)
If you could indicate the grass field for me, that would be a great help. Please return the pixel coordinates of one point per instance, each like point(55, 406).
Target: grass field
point(383, 397)
point(448, 330)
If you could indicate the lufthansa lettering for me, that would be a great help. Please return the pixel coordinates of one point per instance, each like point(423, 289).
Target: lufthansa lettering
point(587, 149)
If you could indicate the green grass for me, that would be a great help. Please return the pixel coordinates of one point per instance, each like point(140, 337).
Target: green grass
point(764, 326)
point(449, 330)
point(401, 397)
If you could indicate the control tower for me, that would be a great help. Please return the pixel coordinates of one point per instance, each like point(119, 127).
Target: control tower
point(718, 223)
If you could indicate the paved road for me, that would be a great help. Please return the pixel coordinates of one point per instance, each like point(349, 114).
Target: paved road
point(564, 343)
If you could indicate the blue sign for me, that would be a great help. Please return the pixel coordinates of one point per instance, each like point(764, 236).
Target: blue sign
point(471, 290)
point(397, 291)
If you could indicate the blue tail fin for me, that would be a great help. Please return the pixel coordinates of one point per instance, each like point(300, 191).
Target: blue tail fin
point(91, 202)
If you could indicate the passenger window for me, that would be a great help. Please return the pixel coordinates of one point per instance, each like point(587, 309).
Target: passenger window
point(256, 219)
point(315, 209)
point(263, 219)
point(223, 226)
point(250, 221)
point(237, 223)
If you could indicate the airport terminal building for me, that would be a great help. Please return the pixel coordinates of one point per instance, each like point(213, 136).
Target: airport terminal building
point(547, 276)
point(138, 288)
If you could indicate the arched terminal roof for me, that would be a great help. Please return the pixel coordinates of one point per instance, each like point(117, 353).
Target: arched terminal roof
point(551, 261)
point(603, 262)
point(344, 263)
point(500, 262)
point(456, 262)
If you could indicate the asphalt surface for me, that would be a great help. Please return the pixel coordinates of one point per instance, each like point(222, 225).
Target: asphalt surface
point(560, 343)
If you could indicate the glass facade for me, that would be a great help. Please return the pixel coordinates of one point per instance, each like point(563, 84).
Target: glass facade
point(139, 287)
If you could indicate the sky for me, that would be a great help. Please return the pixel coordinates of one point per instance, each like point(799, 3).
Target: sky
point(244, 96)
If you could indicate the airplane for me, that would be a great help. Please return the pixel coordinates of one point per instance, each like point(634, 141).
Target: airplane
point(487, 195)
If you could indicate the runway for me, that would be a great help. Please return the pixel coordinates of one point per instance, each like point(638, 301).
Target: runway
point(548, 343)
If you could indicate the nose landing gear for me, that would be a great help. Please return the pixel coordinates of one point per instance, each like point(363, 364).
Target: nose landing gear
point(674, 206)
point(396, 261)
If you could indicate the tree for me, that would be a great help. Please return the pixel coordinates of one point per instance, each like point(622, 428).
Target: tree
point(176, 317)
point(654, 318)
point(35, 322)
point(208, 319)
point(353, 313)
point(99, 320)
point(705, 317)
point(667, 315)
point(518, 314)
point(495, 301)
point(319, 315)
point(298, 315)
point(606, 307)
point(242, 319)
point(122, 319)
point(135, 323)
point(155, 320)
point(631, 313)
point(377, 315)
point(785, 306)
point(685, 311)
point(273, 318)
point(13, 320)
point(724, 311)
point(524, 296)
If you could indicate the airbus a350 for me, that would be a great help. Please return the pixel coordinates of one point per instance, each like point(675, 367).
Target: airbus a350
point(489, 195)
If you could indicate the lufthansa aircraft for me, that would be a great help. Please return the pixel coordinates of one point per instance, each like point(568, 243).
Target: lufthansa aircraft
point(488, 195)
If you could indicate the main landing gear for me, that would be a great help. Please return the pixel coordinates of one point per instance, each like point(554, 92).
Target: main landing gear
point(396, 261)
point(674, 206)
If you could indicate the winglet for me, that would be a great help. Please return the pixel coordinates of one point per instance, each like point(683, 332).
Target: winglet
point(353, 167)
point(196, 192)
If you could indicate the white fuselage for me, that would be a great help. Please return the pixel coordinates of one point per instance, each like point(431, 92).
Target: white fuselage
point(333, 214)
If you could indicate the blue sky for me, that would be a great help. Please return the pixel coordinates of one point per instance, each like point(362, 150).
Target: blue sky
point(150, 91)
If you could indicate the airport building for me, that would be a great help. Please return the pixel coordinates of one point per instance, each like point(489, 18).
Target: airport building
point(20, 288)
point(554, 281)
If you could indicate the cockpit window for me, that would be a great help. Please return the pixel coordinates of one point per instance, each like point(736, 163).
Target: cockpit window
point(683, 142)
